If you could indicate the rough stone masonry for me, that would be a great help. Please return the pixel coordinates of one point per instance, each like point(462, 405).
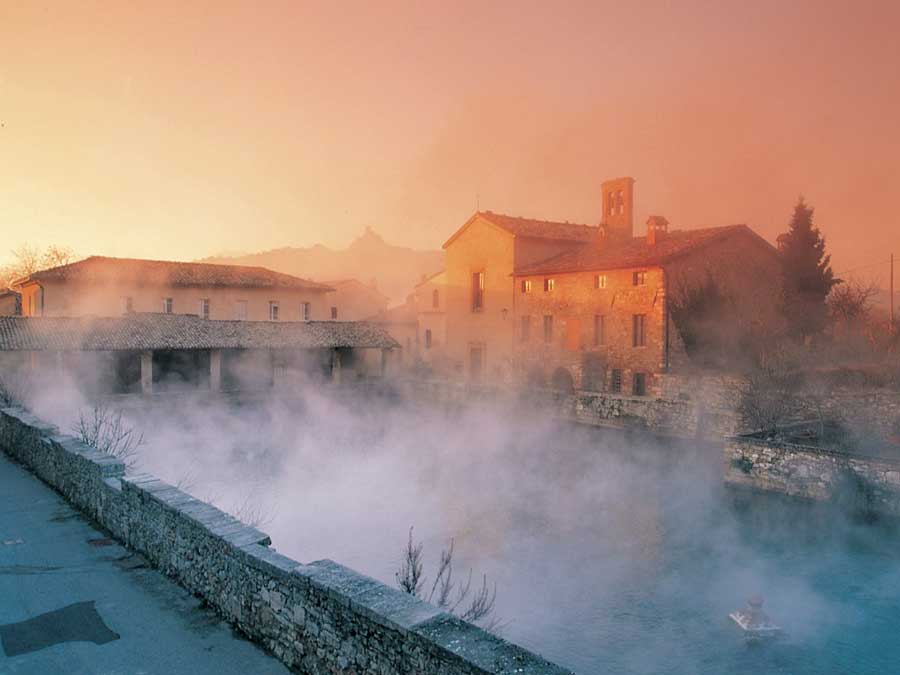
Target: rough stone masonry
point(321, 618)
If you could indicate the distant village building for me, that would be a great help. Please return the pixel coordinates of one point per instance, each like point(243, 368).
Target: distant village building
point(430, 297)
point(401, 323)
point(352, 300)
point(10, 303)
point(589, 307)
point(100, 286)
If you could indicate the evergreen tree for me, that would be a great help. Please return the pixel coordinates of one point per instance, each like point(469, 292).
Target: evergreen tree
point(807, 276)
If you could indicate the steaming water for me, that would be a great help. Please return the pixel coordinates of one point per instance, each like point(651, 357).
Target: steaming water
point(610, 553)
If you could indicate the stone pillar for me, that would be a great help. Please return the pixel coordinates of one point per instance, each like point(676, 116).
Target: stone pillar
point(215, 370)
point(385, 361)
point(335, 366)
point(147, 372)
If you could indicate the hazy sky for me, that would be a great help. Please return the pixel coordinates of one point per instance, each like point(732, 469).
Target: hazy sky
point(178, 130)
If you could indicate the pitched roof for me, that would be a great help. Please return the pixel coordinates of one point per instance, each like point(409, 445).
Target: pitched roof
point(182, 331)
point(532, 228)
point(405, 313)
point(100, 269)
point(635, 252)
point(339, 284)
point(426, 279)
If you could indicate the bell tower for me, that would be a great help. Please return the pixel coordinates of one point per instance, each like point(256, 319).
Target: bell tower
point(618, 207)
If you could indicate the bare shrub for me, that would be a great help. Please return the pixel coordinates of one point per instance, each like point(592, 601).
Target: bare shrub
point(106, 430)
point(251, 513)
point(850, 302)
point(409, 576)
point(475, 606)
point(768, 396)
point(187, 481)
point(30, 259)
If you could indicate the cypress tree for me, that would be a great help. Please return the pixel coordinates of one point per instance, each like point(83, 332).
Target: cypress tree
point(807, 276)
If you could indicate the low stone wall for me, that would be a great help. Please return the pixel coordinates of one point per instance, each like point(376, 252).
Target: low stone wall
point(862, 483)
point(681, 416)
point(321, 618)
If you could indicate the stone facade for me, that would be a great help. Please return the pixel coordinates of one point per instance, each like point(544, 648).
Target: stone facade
point(319, 618)
point(578, 343)
point(863, 483)
point(744, 267)
point(480, 339)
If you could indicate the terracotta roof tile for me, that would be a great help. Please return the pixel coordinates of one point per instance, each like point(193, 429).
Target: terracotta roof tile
point(182, 331)
point(635, 252)
point(541, 229)
point(99, 269)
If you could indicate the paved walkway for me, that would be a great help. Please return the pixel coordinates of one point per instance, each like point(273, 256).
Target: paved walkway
point(72, 601)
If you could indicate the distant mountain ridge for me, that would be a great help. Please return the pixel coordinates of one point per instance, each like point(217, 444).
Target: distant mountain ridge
point(395, 269)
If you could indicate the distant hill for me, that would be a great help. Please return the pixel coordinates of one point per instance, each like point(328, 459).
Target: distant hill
point(395, 269)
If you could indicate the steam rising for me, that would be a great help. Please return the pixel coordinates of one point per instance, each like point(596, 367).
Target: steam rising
point(610, 552)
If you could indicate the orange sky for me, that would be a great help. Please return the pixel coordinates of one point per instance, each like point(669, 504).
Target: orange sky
point(180, 130)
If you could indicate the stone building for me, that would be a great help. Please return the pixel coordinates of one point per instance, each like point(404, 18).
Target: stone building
point(599, 316)
point(431, 318)
point(352, 300)
point(481, 258)
point(588, 306)
point(400, 323)
point(100, 286)
point(154, 353)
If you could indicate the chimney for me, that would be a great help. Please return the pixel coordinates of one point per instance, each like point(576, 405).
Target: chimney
point(618, 207)
point(657, 227)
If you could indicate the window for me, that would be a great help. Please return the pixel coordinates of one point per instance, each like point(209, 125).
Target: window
point(167, 305)
point(305, 312)
point(477, 291)
point(599, 281)
point(427, 338)
point(240, 310)
point(435, 299)
point(525, 329)
point(526, 285)
point(639, 278)
point(127, 305)
point(599, 330)
point(548, 328)
point(204, 308)
point(616, 381)
point(333, 313)
point(638, 336)
point(273, 310)
point(549, 285)
point(621, 200)
point(639, 385)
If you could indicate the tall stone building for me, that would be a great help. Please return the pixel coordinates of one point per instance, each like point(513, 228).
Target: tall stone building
point(590, 306)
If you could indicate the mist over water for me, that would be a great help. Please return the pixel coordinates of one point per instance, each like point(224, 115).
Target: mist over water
point(610, 552)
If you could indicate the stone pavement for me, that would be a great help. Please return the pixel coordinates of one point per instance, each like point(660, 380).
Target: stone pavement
point(74, 601)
